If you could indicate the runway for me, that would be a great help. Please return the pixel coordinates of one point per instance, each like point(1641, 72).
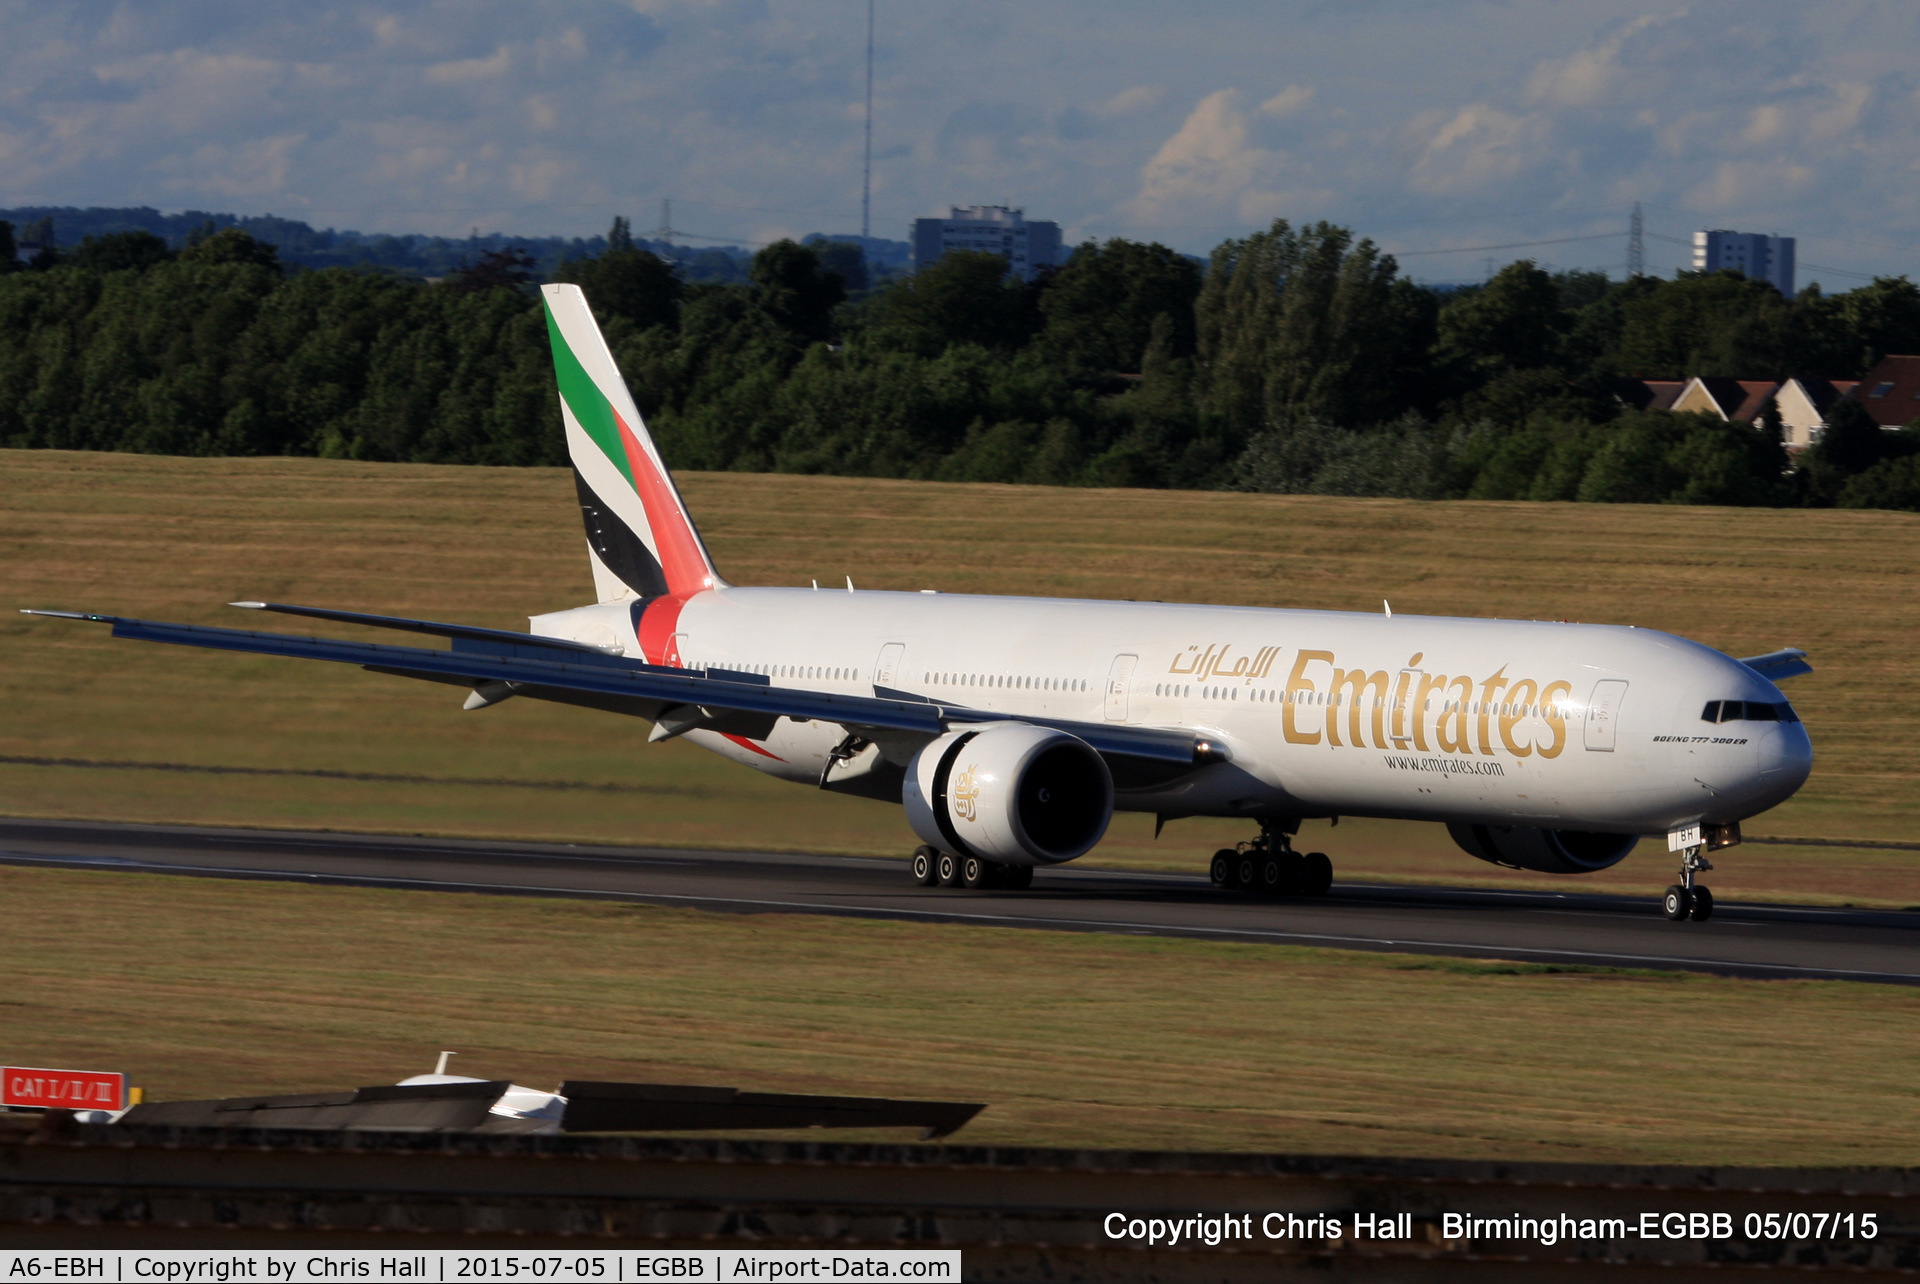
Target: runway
point(1752, 940)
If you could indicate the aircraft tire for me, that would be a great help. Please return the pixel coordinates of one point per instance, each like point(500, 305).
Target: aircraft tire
point(1316, 874)
point(1274, 880)
point(1246, 873)
point(977, 874)
point(949, 867)
point(926, 866)
point(1221, 870)
point(1678, 904)
point(1702, 905)
point(1016, 878)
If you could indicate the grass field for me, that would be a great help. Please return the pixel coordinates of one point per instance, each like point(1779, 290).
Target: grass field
point(207, 987)
point(89, 723)
point(203, 987)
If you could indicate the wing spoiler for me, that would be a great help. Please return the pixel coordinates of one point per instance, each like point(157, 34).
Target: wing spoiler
point(535, 665)
point(1778, 666)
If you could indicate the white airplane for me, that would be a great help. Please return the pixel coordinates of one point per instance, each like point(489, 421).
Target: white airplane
point(1012, 728)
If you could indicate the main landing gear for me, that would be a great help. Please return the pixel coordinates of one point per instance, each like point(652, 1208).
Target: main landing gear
point(934, 868)
point(1687, 899)
point(1268, 866)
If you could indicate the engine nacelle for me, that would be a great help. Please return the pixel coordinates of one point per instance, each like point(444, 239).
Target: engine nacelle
point(1547, 851)
point(1010, 792)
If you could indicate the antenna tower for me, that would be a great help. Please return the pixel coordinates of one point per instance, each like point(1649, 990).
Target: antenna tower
point(866, 167)
point(1636, 245)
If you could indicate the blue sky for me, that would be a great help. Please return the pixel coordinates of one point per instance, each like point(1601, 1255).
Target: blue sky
point(1426, 125)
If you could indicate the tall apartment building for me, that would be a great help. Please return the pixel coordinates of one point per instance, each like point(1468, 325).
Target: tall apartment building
point(1027, 246)
point(1762, 258)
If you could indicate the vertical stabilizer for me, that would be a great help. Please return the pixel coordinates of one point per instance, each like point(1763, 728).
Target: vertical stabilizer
point(642, 542)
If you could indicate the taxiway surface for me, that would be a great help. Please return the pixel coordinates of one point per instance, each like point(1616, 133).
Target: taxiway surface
point(1776, 941)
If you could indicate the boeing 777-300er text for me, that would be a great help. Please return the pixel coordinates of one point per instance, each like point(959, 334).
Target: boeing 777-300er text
point(1012, 728)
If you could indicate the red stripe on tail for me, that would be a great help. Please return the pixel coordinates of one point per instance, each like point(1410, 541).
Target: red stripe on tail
point(681, 557)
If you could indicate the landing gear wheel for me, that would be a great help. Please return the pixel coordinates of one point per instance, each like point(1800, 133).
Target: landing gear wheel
point(976, 873)
point(1016, 878)
point(1702, 905)
point(1246, 873)
point(949, 869)
point(1273, 877)
point(1678, 904)
point(1222, 869)
point(1316, 874)
point(925, 866)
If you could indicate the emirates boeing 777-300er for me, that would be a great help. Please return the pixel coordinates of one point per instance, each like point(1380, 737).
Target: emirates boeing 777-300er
point(1012, 728)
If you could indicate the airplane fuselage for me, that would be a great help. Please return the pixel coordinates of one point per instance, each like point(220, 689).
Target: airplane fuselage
point(1322, 713)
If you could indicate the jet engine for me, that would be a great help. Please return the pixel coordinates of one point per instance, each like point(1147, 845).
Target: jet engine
point(1009, 792)
point(1548, 851)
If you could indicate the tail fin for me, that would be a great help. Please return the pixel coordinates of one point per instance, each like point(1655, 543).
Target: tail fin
point(641, 540)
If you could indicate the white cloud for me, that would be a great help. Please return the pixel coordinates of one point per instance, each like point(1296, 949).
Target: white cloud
point(1287, 101)
point(1422, 124)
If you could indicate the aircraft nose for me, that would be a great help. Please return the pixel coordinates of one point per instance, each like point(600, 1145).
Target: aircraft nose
point(1786, 760)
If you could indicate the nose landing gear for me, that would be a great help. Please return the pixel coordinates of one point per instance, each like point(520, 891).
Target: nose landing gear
point(1685, 899)
point(1268, 866)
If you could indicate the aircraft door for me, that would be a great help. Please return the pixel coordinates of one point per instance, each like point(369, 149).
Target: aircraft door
point(1119, 681)
point(885, 668)
point(1603, 713)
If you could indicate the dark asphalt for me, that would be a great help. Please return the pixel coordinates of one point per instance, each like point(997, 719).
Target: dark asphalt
point(1774, 941)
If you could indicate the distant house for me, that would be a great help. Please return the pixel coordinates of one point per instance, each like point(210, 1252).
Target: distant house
point(1648, 394)
point(1737, 401)
point(1803, 404)
point(1891, 391)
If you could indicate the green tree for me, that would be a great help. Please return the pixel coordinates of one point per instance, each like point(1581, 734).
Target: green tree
point(1102, 307)
point(1304, 324)
point(795, 292)
point(1705, 323)
point(964, 297)
point(231, 245)
point(121, 252)
point(635, 284)
point(1514, 322)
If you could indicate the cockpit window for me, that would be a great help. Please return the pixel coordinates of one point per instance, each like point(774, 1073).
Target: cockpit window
point(1749, 710)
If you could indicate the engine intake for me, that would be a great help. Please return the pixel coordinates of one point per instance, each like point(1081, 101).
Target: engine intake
point(1546, 851)
point(1010, 792)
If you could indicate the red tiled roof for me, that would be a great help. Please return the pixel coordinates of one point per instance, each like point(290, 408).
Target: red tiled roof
point(1649, 394)
point(1896, 381)
point(1740, 400)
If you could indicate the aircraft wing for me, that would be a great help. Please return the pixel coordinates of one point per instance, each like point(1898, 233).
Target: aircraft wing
point(1778, 666)
point(572, 673)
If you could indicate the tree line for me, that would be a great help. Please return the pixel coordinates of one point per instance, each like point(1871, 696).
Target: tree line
point(1297, 359)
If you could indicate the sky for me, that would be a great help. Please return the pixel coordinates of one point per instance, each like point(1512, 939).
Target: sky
point(1427, 125)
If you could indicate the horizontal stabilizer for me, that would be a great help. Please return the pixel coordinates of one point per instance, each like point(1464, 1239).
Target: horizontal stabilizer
point(1777, 666)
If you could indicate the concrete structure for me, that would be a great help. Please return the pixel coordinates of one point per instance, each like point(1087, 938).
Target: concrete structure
point(1763, 258)
point(1891, 391)
point(995, 229)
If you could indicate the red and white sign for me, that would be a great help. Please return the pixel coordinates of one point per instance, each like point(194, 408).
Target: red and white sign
point(62, 1089)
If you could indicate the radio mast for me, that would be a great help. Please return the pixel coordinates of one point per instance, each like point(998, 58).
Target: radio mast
point(1636, 246)
point(866, 167)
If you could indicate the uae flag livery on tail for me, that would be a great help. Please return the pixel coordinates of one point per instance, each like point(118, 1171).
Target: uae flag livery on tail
point(642, 541)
